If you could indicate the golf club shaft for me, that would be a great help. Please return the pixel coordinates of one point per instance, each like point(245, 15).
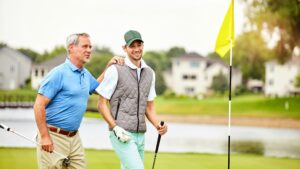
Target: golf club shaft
point(157, 146)
point(10, 130)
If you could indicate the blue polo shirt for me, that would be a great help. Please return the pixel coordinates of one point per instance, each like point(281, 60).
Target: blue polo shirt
point(68, 88)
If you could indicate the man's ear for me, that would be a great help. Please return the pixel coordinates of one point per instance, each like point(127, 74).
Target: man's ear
point(124, 48)
point(70, 47)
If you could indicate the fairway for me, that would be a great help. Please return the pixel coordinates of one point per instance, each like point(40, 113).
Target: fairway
point(16, 158)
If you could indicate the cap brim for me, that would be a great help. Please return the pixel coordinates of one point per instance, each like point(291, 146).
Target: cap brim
point(132, 40)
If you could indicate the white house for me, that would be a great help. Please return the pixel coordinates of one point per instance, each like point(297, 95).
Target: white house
point(39, 71)
point(14, 70)
point(280, 78)
point(193, 74)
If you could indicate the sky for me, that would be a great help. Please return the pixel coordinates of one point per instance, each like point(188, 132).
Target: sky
point(43, 24)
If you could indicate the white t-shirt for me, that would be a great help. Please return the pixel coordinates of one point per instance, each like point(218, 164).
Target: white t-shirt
point(109, 83)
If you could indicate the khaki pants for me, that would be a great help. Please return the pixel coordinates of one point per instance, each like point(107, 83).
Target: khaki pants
point(69, 146)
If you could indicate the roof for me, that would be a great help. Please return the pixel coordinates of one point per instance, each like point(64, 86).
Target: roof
point(14, 53)
point(53, 62)
point(190, 56)
point(210, 61)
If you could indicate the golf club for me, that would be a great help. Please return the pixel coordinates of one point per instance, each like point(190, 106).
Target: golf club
point(66, 161)
point(157, 146)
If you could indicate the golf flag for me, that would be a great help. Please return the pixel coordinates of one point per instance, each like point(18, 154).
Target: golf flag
point(226, 33)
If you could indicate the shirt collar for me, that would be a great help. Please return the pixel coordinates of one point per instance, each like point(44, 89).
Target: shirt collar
point(73, 67)
point(133, 66)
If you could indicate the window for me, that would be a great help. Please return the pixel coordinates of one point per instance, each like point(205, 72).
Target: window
point(36, 72)
point(43, 72)
point(189, 89)
point(271, 82)
point(189, 77)
point(194, 64)
point(193, 77)
point(178, 62)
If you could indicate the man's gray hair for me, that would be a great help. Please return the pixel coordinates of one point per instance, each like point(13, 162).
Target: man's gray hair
point(73, 39)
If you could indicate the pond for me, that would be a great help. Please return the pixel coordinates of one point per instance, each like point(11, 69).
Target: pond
point(182, 137)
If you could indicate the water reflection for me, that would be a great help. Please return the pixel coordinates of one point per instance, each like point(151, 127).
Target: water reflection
point(180, 138)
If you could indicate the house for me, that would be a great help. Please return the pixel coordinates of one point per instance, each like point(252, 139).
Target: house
point(280, 78)
point(192, 74)
point(39, 71)
point(255, 85)
point(14, 70)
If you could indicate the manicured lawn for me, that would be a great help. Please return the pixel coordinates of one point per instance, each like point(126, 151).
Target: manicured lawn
point(249, 105)
point(16, 158)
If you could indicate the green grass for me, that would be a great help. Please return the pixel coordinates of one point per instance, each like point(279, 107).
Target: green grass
point(249, 105)
point(17, 95)
point(15, 158)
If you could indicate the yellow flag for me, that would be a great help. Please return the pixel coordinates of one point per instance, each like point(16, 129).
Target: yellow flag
point(226, 33)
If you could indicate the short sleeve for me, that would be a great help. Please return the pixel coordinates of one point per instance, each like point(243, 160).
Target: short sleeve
point(51, 84)
point(109, 83)
point(152, 93)
point(93, 84)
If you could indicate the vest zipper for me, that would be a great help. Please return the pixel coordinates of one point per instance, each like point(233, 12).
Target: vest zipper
point(138, 101)
point(117, 109)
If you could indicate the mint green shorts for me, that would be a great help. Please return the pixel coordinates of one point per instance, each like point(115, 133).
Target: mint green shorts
point(130, 153)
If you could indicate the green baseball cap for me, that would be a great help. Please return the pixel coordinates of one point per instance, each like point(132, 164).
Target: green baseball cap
point(131, 36)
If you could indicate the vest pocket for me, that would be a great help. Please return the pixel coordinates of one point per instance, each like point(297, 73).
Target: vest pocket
point(117, 112)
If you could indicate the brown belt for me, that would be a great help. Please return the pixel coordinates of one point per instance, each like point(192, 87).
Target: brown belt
point(62, 131)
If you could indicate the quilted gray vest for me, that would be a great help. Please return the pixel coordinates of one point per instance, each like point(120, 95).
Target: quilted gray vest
point(129, 100)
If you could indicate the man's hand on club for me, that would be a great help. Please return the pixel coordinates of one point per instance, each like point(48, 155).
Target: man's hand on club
point(121, 134)
point(162, 129)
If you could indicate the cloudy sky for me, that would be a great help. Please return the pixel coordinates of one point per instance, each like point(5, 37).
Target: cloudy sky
point(43, 24)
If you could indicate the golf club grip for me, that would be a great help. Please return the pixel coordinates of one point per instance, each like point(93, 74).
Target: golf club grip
point(158, 139)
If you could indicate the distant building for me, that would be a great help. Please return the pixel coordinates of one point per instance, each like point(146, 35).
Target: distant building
point(14, 70)
point(39, 71)
point(255, 85)
point(193, 74)
point(280, 78)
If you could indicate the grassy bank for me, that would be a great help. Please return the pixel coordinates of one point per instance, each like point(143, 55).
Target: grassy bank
point(249, 105)
point(245, 105)
point(15, 158)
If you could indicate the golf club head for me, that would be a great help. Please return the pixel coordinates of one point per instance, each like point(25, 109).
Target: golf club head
point(66, 162)
point(4, 127)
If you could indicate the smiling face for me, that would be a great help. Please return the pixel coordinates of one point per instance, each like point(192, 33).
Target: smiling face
point(135, 50)
point(81, 52)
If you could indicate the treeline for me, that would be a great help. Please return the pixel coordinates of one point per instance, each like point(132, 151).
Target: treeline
point(266, 20)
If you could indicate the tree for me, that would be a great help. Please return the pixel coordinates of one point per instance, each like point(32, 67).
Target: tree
point(250, 53)
point(158, 62)
point(174, 52)
point(2, 45)
point(33, 55)
point(102, 51)
point(57, 51)
point(219, 83)
point(297, 83)
point(281, 15)
point(160, 85)
point(98, 63)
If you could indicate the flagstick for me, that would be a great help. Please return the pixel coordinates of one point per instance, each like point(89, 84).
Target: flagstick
point(229, 104)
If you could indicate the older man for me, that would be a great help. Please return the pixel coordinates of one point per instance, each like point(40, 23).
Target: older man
point(60, 105)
